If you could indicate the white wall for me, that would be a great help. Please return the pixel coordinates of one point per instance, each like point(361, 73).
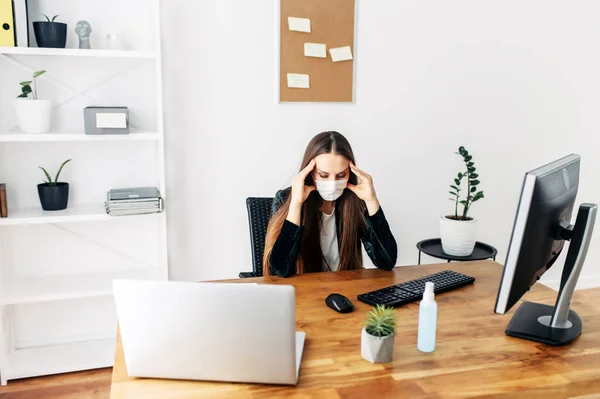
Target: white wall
point(516, 82)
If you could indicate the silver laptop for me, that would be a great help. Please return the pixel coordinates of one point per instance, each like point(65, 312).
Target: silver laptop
point(209, 331)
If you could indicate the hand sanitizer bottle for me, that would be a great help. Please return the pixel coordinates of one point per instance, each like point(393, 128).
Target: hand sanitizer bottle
point(427, 320)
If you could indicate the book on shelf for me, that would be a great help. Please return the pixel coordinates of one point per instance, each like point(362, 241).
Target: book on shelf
point(117, 194)
point(21, 22)
point(134, 205)
point(3, 203)
point(133, 201)
point(152, 206)
point(7, 24)
point(133, 212)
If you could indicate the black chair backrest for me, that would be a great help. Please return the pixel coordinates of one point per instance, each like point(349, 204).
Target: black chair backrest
point(259, 213)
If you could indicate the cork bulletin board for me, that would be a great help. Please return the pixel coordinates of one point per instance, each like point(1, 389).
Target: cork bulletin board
point(316, 79)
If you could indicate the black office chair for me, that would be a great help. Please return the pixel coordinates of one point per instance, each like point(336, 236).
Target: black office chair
point(259, 213)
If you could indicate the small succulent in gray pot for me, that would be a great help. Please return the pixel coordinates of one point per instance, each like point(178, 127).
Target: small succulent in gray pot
point(377, 336)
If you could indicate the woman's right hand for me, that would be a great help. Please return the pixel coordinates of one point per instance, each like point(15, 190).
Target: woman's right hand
point(301, 191)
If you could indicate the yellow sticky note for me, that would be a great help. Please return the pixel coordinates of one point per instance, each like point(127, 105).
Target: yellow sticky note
point(315, 50)
point(299, 24)
point(340, 54)
point(298, 81)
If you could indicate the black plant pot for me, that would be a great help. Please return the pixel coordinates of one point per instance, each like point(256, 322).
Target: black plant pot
point(53, 198)
point(50, 34)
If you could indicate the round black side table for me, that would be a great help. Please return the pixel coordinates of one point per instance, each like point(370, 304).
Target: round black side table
point(433, 247)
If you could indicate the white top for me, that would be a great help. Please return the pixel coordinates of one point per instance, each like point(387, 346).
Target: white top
point(329, 241)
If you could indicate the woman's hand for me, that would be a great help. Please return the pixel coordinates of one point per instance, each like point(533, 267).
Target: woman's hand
point(300, 193)
point(364, 189)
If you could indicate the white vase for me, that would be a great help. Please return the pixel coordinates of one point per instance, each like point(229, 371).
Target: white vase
point(376, 349)
point(34, 116)
point(458, 236)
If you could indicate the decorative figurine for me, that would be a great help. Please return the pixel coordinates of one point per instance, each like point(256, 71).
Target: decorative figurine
point(83, 30)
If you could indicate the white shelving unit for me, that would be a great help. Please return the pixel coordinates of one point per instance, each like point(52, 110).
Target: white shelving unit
point(36, 215)
point(57, 288)
point(61, 358)
point(57, 268)
point(11, 137)
point(62, 52)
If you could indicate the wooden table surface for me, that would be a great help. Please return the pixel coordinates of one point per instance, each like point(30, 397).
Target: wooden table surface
point(473, 356)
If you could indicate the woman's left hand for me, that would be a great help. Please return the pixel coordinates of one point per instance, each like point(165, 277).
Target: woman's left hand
point(364, 189)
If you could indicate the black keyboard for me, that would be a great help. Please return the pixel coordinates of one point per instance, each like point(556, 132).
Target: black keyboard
point(411, 291)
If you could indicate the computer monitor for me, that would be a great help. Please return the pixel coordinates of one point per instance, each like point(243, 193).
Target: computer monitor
point(541, 227)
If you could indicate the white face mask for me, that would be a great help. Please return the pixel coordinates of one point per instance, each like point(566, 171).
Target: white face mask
point(331, 190)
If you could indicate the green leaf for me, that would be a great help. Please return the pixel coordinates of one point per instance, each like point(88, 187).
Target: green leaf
point(454, 187)
point(47, 175)
point(26, 89)
point(381, 321)
point(460, 175)
point(61, 167)
point(461, 150)
point(22, 96)
point(471, 170)
point(478, 196)
point(46, 17)
point(473, 176)
point(53, 18)
point(457, 182)
point(25, 83)
point(473, 189)
point(468, 158)
point(463, 202)
point(470, 164)
point(475, 182)
point(453, 193)
point(38, 74)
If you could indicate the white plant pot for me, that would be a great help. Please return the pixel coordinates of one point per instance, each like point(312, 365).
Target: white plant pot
point(376, 349)
point(34, 116)
point(458, 236)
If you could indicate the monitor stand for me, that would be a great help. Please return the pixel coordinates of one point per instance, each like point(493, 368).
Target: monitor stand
point(559, 325)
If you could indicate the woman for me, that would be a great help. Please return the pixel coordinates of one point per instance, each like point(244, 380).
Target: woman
point(318, 223)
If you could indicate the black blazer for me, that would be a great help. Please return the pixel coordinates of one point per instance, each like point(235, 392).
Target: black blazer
point(377, 240)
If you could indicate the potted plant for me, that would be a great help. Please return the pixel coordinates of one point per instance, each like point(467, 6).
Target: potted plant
point(49, 33)
point(458, 231)
point(54, 195)
point(34, 115)
point(377, 341)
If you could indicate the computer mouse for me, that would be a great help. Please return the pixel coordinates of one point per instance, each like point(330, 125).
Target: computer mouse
point(339, 303)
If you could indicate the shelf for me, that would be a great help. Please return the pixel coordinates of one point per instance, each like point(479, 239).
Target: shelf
point(56, 359)
point(77, 213)
point(71, 52)
point(72, 286)
point(77, 136)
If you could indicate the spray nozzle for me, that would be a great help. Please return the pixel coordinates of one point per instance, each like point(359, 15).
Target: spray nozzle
point(428, 294)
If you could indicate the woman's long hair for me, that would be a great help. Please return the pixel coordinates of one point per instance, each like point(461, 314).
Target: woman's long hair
point(349, 207)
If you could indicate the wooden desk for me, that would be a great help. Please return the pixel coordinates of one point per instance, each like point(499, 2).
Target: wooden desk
point(473, 355)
